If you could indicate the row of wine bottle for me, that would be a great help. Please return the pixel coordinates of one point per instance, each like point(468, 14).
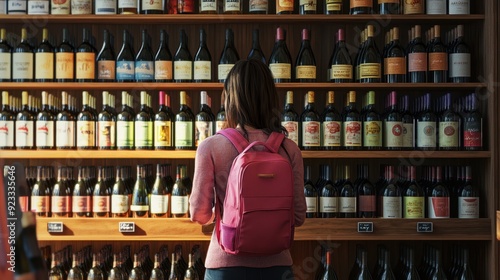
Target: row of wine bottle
point(404, 196)
point(79, 7)
point(432, 61)
point(445, 126)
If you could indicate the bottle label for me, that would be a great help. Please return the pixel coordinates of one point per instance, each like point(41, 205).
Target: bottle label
point(426, 134)
point(367, 203)
point(44, 67)
point(180, 204)
point(203, 131)
point(125, 70)
point(85, 134)
point(22, 65)
point(220, 125)
point(391, 207)
point(393, 132)
point(388, 1)
point(119, 204)
point(439, 207)
point(293, 130)
point(203, 70)
point(151, 5)
point(328, 204)
point(3, 8)
point(5, 71)
point(223, 70)
point(361, 3)
point(139, 208)
point(459, 7)
point(159, 204)
point(81, 7)
point(436, 7)
point(257, 6)
point(44, 133)
point(468, 207)
point(38, 7)
point(460, 64)
point(408, 135)
point(163, 134)
point(40, 204)
point(232, 5)
point(65, 64)
point(85, 65)
point(372, 134)
point(24, 133)
point(284, 6)
point(65, 134)
point(473, 136)
point(61, 204)
point(100, 203)
point(106, 134)
point(125, 134)
point(448, 134)
point(332, 133)
point(124, 4)
point(16, 6)
point(59, 7)
point(163, 70)
point(395, 66)
point(309, 5)
point(183, 70)
point(341, 72)
point(369, 71)
point(7, 134)
point(305, 72)
point(105, 7)
point(281, 70)
point(412, 7)
point(417, 62)
point(438, 61)
point(311, 134)
point(347, 204)
point(352, 134)
point(208, 6)
point(106, 69)
point(311, 204)
point(144, 70)
point(183, 134)
point(334, 5)
point(82, 204)
point(143, 134)
point(414, 207)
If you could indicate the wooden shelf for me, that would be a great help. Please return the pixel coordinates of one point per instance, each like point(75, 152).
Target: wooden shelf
point(107, 154)
point(243, 19)
point(498, 225)
point(107, 229)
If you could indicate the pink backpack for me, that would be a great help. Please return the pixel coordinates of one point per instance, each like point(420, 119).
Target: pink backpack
point(258, 215)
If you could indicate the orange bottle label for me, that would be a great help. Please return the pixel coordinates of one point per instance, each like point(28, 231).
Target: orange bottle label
point(361, 3)
point(417, 62)
point(85, 65)
point(438, 61)
point(395, 65)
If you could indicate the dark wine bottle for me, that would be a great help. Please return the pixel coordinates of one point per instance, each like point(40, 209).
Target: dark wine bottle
point(372, 125)
point(151, 6)
point(5, 57)
point(202, 61)
point(23, 60)
point(220, 119)
point(395, 60)
point(437, 59)
point(370, 60)
point(143, 126)
point(156, 272)
point(311, 194)
point(366, 195)
point(389, 7)
point(75, 272)
point(435, 7)
point(280, 61)
point(204, 120)
point(125, 126)
point(125, 61)
point(183, 62)
point(290, 119)
point(40, 195)
point(163, 60)
point(450, 125)
point(473, 126)
point(7, 123)
point(82, 197)
point(468, 198)
point(44, 59)
point(55, 271)
point(413, 198)
point(95, 272)
point(228, 57)
point(119, 196)
point(460, 59)
point(310, 119)
point(417, 59)
point(106, 60)
point(393, 125)
point(45, 125)
point(186, 6)
point(387, 272)
point(184, 125)
point(408, 124)
point(140, 199)
point(65, 126)
point(341, 63)
point(426, 135)
point(127, 7)
point(25, 125)
point(391, 201)
point(65, 59)
point(359, 7)
point(163, 124)
point(101, 204)
point(333, 7)
point(328, 196)
point(331, 125)
point(347, 196)
point(106, 125)
point(160, 196)
point(305, 64)
point(179, 197)
point(208, 7)
point(85, 124)
point(364, 272)
point(307, 7)
point(256, 51)
point(144, 61)
point(438, 203)
point(329, 273)
point(351, 128)
point(85, 58)
point(103, 7)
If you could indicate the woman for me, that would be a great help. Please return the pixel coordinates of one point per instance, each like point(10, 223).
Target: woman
point(251, 103)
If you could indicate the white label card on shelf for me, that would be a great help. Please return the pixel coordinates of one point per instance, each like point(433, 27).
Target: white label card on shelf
point(126, 227)
point(365, 226)
point(425, 227)
point(55, 227)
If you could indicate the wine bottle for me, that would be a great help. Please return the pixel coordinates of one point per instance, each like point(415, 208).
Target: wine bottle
point(232, 6)
point(305, 64)
point(468, 198)
point(258, 7)
point(460, 59)
point(473, 126)
point(7, 122)
point(341, 63)
point(96, 273)
point(65, 126)
point(105, 7)
point(393, 125)
point(395, 60)
point(391, 202)
point(359, 7)
point(290, 119)
point(331, 125)
point(44, 58)
point(40, 195)
point(333, 7)
point(191, 273)
point(351, 128)
point(184, 125)
point(220, 120)
point(55, 271)
point(140, 199)
point(372, 125)
point(347, 196)
point(228, 57)
point(45, 125)
point(370, 60)
point(75, 273)
point(144, 61)
point(106, 64)
point(408, 124)
point(280, 61)
point(416, 7)
point(426, 127)
point(160, 196)
point(85, 125)
point(143, 126)
point(81, 7)
point(65, 59)
point(439, 198)
point(437, 59)
point(173, 271)
point(125, 61)
point(106, 125)
point(101, 196)
point(413, 198)
point(38, 7)
point(82, 198)
point(389, 7)
point(328, 196)
point(202, 61)
point(311, 194)
point(307, 7)
point(208, 7)
point(458, 7)
point(310, 119)
point(151, 7)
point(450, 124)
point(329, 273)
point(17, 7)
point(366, 195)
point(5, 57)
point(417, 59)
point(85, 59)
point(157, 272)
point(25, 125)
point(163, 124)
point(119, 196)
point(127, 7)
point(435, 7)
point(179, 197)
point(204, 121)
point(23, 60)
point(125, 126)
point(256, 51)
point(163, 60)
point(61, 195)
point(183, 62)
point(186, 7)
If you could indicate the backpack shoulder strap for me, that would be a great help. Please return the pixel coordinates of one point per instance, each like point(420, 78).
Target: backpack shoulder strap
point(238, 141)
point(274, 141)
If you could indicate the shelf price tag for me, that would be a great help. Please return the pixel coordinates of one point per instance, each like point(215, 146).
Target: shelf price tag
point(365, 226)
point(55, 227)
point(425, 227)
point(126, 227)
